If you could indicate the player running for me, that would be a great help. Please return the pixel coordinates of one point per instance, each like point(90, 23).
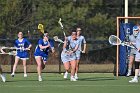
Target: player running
point(68, 55)
point(23, 44)
point(41, 53)
point(78, 52)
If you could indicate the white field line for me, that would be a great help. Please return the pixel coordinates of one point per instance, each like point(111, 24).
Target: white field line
point(27, 86)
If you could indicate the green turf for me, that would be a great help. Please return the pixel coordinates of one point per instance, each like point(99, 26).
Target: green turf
point(54, 83)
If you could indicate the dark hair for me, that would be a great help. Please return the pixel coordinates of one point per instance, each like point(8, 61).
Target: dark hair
point(45, 31)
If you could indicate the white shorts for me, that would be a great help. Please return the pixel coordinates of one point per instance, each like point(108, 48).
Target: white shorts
point(67, 58)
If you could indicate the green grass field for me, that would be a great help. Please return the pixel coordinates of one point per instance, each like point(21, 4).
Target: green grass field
point(54, 83)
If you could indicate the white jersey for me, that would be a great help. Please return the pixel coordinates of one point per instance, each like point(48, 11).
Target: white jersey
point(81, 40)
point(132, 39)
point(137, 58)
point(72, 43)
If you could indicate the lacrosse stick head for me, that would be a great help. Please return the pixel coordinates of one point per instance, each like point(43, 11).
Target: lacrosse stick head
point(57, 39)
point(41, 28)
point(60, 23)
point(114, 40)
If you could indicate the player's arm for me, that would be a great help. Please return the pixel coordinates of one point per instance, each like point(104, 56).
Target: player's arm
point(84, 42)
point(65, 43)
point(52, 45)
point(40, 42)
point(29, 45)
point(76, 48)
point(44, 47)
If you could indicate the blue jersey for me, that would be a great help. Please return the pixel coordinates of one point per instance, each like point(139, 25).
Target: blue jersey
point(43, 52)
point(21, 53)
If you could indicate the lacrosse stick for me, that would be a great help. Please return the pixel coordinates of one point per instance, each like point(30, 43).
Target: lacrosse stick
point(62, 27)
point(9, 53)
point(114, 40)
point(57, 39)
point(13, 48)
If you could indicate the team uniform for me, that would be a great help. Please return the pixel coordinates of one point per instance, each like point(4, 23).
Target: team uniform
point(132, 39)
point(43, 52)
point(22, 45)
point(65, 57)
point(137, 57)
point(81, 40)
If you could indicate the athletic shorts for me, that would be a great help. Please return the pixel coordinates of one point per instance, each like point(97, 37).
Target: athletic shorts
point(22, 55)
point(42, 55)
point(137, 57)
point(67, 58)
point(132, 52)
point(78, 54)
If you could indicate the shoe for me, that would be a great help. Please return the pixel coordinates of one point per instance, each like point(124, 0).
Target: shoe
point(66, 75)
point(39, 78)
point(3, 77)
point(72, 79)
point(25, 75)
point(12, 74)
point(133, 81)
point(139, 75)
point(76, 77)
point(128, 74)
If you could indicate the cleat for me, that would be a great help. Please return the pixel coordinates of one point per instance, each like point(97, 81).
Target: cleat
point(72, 79)
point(133, 81)
point(39, 78)
point(25, 75)
point(66, 75)
point(12, 74)
point(128, 74)
point(3, 77)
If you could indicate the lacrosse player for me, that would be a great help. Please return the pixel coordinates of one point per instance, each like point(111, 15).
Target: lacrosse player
point(41, 53)
point(23, 45)
point(68, 55)
point(1, 73)
point(78, 52)
point(132, 39)
point(137, 56)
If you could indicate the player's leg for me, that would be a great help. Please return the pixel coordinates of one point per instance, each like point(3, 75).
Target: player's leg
point(135, 79)
point(39, 68)
point(43, 64)
point(65, 60)
point(15, 66)
point(139, 73)
point(78, 54)
point(2, 75)
point(131, 61)
point(77, 68)
point(67, 67)
point(25, 67)
point(73, 66)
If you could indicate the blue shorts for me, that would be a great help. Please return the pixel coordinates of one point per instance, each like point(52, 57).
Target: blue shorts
point(22, 55)
point(42, 55)
point(67, 58)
